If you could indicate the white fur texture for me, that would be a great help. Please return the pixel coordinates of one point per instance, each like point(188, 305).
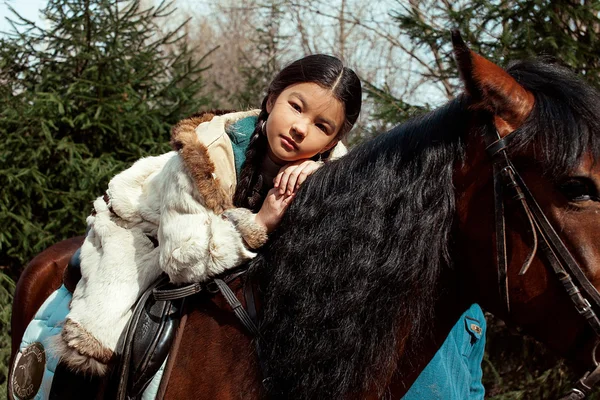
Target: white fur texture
point(134, 196)
point(118, 262)
point(153, 197)
point(195, 243)
point(117, 265)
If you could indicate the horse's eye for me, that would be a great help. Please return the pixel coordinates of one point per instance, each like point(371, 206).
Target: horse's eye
point(579, 189)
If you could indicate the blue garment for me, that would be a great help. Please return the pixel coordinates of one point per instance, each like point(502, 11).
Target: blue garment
point(454, 373)
point(240, 133)
point(47, 323)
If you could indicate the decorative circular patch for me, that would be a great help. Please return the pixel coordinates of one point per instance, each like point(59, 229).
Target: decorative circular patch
point(28, 371)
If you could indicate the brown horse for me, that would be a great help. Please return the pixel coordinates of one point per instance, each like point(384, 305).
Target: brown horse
point(362, 282)
point(42, 276)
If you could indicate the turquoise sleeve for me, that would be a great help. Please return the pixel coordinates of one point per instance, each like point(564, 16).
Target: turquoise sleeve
point(454, 372)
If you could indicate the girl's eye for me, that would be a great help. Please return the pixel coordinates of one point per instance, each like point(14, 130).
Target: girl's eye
point(579, 189)
point(296, 107)
point(322, 127)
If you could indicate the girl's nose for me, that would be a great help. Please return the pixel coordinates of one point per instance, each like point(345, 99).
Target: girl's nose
point(300, 128)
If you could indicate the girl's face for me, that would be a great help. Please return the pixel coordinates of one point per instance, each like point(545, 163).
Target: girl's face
point(304, 120)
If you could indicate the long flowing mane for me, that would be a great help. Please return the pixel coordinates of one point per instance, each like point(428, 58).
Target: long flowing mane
point(362, 247)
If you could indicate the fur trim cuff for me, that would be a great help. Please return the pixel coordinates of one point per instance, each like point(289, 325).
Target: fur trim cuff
point(253, 234)
point(80, 351)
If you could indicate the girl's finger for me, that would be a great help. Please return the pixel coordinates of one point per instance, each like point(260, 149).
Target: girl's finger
point(286, 202)
point(302, 177)
point(285, 177)
point(291, 183)
point(277, 179)
point(306, 172)
point(281, 173)
point(299, 173)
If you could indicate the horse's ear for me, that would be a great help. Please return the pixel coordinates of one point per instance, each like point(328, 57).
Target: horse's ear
point(492, 88)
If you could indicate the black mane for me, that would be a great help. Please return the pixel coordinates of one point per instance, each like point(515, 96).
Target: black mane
point(565, 121)
point(363, 245)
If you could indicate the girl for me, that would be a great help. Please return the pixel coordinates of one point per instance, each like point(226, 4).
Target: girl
point(206, 207)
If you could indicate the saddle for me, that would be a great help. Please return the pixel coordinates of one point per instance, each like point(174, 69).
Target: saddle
point(147, 340)
point(141, 352)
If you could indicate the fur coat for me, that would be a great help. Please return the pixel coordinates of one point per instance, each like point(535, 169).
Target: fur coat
point(181, 200)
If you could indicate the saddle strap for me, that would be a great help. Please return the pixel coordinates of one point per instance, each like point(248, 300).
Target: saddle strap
point(180, 292)
point(212, 287)
point(146, 342)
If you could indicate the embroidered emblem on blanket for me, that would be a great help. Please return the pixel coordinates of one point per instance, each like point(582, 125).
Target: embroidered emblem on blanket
point(28, 371)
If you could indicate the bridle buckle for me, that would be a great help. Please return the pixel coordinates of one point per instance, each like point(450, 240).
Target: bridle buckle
point(586, 307)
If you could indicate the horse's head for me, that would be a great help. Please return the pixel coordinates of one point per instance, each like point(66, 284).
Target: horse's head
point(539, 124)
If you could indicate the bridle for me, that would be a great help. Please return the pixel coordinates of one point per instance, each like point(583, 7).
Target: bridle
point(583, 294)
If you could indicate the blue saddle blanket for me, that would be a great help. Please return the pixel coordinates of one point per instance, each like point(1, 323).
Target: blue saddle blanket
point(47, 323)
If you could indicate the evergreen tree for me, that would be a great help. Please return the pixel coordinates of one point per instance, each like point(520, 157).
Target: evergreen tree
point(257, 70)
point(80, 101)
point(564, 31)
point(7, 287)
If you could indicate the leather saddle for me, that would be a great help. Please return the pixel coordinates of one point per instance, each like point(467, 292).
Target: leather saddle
point(141, 351)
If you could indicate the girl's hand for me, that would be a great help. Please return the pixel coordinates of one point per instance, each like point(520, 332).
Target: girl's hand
point(272, 209)
point(292, 175)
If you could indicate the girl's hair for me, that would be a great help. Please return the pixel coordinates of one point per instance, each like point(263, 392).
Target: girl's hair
point(327, 72)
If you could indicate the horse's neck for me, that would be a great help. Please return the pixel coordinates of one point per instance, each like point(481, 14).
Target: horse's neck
point(416, 353)
point(219, 351)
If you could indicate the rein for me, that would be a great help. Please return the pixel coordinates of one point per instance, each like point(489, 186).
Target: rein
point(213, 286)
point(569, 273)
point(248, 318)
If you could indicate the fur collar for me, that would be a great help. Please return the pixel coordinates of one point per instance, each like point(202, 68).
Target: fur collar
point(197, 162)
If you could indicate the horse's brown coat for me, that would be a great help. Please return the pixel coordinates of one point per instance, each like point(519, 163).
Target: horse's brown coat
point(216, 358)
point(42, 276)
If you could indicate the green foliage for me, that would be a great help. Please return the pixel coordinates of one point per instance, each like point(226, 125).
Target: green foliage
point(563, 31)
point(503, 30)
point(515, 366)
point(7, 288)
point(388, 111)
point(80, 101)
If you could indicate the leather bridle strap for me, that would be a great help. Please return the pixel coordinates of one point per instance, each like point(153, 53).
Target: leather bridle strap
point(563, 264)
point(502, 176)
point(500, 235)
point(569, 273)
point(559, 250)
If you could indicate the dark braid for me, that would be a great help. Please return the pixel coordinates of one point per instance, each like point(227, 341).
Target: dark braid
point(257, 149)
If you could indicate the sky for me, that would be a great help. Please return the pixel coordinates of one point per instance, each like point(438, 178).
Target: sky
point(26, 8)
point(30, 9)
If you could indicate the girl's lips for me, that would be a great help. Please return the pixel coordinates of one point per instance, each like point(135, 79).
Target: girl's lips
point(288, 144)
